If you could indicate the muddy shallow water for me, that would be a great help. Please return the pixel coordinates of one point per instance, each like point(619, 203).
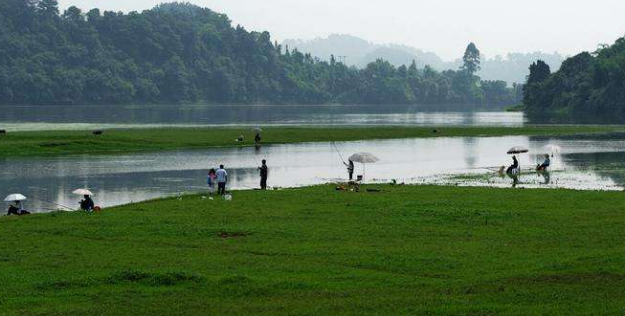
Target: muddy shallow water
point(594, 163)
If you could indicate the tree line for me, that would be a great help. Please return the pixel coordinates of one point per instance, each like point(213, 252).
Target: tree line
point(588, 83)
point(182, 53)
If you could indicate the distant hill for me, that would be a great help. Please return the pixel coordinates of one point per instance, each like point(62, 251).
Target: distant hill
point(358, 52)
point(354, 48)
point(355, 51)
point(403, 55)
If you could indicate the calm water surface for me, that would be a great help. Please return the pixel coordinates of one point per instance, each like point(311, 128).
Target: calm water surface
point(25, 118)
point(585, 163)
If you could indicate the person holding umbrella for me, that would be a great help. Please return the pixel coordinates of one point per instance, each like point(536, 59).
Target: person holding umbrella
point(364, 158)
point(16, 208)
point(257, 138)
point(86, 204)
point(515, 168)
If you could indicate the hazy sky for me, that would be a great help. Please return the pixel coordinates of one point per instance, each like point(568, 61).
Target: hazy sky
point(442, 26)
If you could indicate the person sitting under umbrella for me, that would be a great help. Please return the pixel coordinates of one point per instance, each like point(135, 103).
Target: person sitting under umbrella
point(543, 166)
point(87, 204)
point(513, 168)
point(16, 208)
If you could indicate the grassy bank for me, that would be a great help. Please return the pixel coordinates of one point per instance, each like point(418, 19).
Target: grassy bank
point(116, 141)
point(414, 250)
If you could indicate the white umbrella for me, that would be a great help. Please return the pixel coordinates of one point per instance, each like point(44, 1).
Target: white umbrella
point(257, 129)
point(364, 158)
point(517, 150)
point(15, 197)
point(553, 149)
point(83, 192)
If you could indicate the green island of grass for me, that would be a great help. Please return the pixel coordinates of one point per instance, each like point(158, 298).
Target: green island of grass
point(45, 143)
point(405, 250)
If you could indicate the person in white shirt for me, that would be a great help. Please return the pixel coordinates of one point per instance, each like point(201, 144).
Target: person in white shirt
point(222, 179)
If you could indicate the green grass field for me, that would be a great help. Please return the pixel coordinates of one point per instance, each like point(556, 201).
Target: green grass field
point(407, 250)
point(22, 144)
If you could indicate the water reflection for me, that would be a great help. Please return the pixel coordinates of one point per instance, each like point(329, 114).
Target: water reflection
point(584, 164)
point(595, 118)
point(546, 176)
point(20, 118)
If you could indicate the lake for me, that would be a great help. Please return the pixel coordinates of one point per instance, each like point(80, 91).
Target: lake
point(585, 163)
point(30, 118)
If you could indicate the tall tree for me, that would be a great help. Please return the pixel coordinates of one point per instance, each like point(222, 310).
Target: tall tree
point(471, 59)
point(539, 71)
point(48, 7)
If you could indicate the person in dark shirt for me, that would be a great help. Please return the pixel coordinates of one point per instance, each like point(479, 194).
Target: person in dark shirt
point(87, 204)
point(514, 166)
point(264, 174)
point(17, 209)
point(350, 169)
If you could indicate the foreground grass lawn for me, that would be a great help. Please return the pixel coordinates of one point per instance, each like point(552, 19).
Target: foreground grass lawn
point(413, 250)
point(132, 140)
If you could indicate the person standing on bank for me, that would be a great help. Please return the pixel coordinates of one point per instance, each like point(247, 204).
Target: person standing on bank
point(222, 179)
point(264, 174)
point(211, 181)
point(350, 169)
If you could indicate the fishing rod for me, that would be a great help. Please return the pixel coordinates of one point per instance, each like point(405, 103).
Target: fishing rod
point(49, 209)
point(330, 137)
point(338, 151)
point(57, 204)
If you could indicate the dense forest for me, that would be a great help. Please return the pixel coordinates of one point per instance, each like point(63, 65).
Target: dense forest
point(181, 53)
point(585, 84)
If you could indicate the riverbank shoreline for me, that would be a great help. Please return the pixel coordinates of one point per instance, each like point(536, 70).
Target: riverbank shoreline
point(115, 141)
point(399, 250)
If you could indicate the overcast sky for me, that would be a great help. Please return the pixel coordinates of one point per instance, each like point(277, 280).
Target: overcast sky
point(442, 26)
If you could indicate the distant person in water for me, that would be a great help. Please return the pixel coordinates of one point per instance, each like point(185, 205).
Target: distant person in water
point(87, 204)
point(543, 166)
point(264, 174)
point(257, 138)
point(350, 169)
point(515, 165)
point(222, 180)
point(211, 180)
